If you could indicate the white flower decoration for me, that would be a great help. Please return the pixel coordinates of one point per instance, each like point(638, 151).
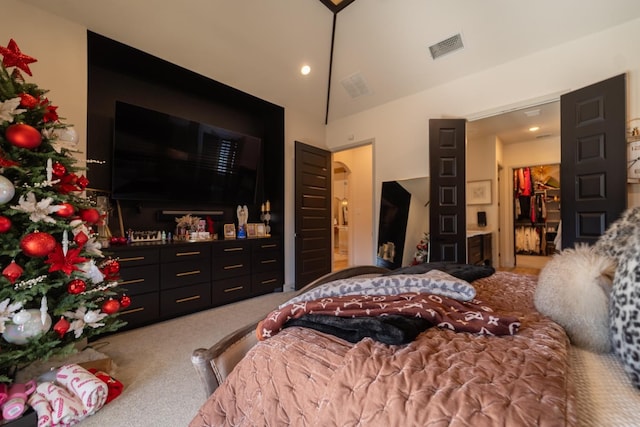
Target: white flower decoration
point(9, 108)
point(7, 311)
point(91, 271)
point(39, 211)
point(84, 318)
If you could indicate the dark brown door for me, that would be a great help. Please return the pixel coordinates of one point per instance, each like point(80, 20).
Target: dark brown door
point(593, 155)
point(313, 213)
point(447, 214)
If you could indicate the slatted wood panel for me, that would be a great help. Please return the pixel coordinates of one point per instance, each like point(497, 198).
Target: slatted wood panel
point(313, 213)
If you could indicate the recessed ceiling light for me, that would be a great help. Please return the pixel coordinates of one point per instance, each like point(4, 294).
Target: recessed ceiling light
point(305, 70)
point(534, 128)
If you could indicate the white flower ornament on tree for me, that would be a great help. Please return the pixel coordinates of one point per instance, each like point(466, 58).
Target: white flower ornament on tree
point(37, 210)
point(84, 318)
point(9, 108)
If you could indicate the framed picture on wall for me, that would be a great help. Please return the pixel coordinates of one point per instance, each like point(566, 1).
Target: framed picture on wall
point(479, 192)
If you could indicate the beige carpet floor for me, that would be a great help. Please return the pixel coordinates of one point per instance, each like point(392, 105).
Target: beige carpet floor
point(154, 363)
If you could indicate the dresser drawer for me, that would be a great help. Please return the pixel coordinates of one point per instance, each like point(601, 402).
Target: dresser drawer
point(185, 252)
point(231, 248)
point(231, 265)
point(186, 299)
point(139, 280)
point(266, 261)
point(233, 289)
point(144, 309)
point(177, 274)
point(268, 244)
point(135, 257)
point(267, 282)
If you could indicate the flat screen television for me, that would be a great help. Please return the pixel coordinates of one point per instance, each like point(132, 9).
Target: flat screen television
point(161, 157)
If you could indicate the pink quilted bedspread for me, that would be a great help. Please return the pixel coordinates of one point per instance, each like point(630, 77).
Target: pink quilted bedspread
point(301, 377)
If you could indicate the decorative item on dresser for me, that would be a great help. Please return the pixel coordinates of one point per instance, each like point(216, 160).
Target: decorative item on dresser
point(172, 279)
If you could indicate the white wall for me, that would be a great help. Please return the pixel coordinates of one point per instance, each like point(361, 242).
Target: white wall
point(60, 48)
point(400, 128)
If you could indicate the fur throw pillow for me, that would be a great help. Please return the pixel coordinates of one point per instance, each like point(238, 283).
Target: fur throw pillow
point(573, 290)
point(622, 242)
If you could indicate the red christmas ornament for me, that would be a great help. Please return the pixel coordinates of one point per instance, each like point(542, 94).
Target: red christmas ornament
point(37, 244)
point(110, 306)
point(80, 238)
point(58, 169)
point(13, 57)
point(110, 269)
point(61, 327)
point(66, 210)
point(125, 301)
point(76, 286)
point(12, 272)
point(27, 100)
point(90, 215)
point(23, 136)
point(5, 224)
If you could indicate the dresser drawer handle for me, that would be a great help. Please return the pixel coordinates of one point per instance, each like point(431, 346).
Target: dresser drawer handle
point(268, 261)
point(133, 310)
point(233, 249)
point(193, 298)
point(234, 266)
point(131, 282)
point(188, 273)
point(273, 245)
point(266, 282)
point(237, 288)
point(188, 253)
point(134, 258)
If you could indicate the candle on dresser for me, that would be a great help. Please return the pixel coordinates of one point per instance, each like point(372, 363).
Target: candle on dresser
point(262, 208)
point(267, 206)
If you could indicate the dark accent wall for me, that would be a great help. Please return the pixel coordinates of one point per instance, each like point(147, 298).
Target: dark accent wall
point(120, 72)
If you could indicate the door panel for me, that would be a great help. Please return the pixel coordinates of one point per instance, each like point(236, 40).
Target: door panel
point(312, 213)
point(447, 223)
point(593, 156)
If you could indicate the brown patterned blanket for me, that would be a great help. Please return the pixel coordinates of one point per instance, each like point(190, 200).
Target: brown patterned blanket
point(474, 317)
point(302, 377)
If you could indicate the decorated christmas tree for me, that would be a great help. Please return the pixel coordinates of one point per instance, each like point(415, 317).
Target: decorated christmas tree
point(56, 285)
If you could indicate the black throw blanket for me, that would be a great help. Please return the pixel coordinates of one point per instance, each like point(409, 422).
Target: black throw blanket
point(391, 329)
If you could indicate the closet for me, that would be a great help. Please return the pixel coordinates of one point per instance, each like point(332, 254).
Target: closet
point(536, 205)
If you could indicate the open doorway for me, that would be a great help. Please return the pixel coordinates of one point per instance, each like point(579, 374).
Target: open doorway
point(536, 214)
point(352, 206)
point(519, 137)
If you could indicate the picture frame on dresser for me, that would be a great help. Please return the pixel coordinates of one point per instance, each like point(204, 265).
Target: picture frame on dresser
point(479, 192)
point(260, 230)
point(229, 231)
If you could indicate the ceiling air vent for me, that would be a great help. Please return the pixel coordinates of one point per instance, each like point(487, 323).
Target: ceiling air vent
point(355, 85)
point(446, 46)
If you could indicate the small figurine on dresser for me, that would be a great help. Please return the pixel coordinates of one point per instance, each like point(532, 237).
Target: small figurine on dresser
point(243, 216)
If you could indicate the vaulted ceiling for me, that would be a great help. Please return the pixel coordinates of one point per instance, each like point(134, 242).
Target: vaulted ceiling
point(380, 47)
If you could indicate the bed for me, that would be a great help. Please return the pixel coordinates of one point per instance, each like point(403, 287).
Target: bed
point(306, 376)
